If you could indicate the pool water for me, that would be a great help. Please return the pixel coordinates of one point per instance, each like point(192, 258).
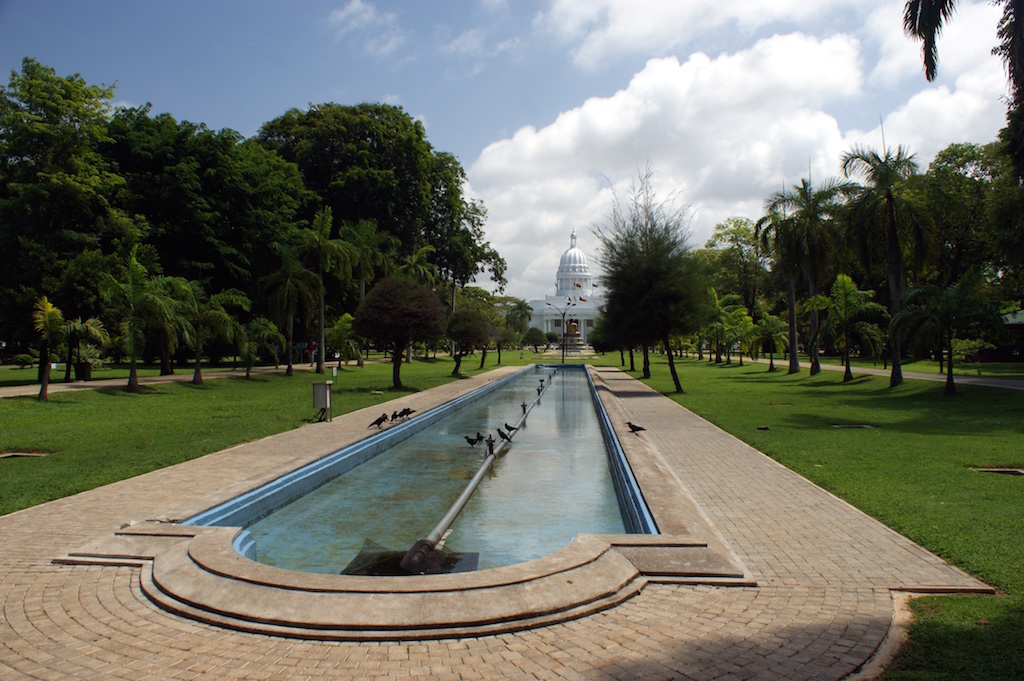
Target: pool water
point(553, 483)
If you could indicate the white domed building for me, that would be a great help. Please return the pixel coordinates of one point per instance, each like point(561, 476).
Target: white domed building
point(574, 295)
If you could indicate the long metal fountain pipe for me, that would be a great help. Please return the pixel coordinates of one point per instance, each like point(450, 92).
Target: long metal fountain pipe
point(416, 558)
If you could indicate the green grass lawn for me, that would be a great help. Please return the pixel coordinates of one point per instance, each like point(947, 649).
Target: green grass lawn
point(912, 469)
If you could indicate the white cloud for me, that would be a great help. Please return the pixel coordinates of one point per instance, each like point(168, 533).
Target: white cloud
point(378, 31)
point(720, 133)
point(597, 31)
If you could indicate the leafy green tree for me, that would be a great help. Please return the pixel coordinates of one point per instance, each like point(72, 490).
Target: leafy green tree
point(774, 332)
point(205, 317)
point(964, 307)
point(535, 338)
point(652, 284)
point(469, 329)
point(397, 312)
point(739, 265)
point(48, 321)
point(373, 251)
point(717, 315)
point(516, 313)
point(58, 220)
point(850, 315)
point(741, 330)
point(812, 213)
point(877, 212)
point(135, 297)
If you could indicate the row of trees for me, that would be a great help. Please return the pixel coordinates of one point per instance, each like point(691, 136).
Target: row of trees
point(118, 214)
point(883, 258)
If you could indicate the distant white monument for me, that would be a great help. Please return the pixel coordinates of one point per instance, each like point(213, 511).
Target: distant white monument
point(575, 296)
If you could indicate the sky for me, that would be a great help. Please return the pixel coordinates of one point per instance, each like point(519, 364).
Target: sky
point(555, 108)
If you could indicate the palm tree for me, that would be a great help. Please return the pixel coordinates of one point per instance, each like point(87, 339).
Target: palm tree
point(343, 340)
point(75, 331)
point(777, 236)
point(257, 337)
point(718, 318)
point(849, 311)
point(812, 215)
point(740, 329)
point(932, 312)
point(373, 251)
point(876, 208)
point(923, 20)
point(137, 296)
point(772, 331)
point(48, 321)
point(418, 267)
point(330, 255)
point(293, 288)
point(204, 316)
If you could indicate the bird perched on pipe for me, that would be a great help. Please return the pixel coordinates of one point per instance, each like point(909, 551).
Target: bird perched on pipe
point(510, 429)
point(380, 421)
point(503, 435)
point(474, 440)
point(635, 429)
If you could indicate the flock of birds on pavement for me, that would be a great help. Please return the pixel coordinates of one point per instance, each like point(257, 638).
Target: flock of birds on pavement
point(395, 416)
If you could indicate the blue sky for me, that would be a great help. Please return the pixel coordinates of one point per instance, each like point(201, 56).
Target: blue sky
point(553, 107)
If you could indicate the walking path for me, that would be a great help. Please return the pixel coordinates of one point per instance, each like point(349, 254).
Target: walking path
point(827, 576)
point(32, 389)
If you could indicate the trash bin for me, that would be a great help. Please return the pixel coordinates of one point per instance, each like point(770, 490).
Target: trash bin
point(322, 398)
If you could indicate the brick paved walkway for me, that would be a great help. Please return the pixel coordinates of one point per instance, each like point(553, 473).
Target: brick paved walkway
point(821, 607)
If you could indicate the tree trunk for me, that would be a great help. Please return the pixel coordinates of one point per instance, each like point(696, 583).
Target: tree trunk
point(458, 365)
point(197, 372)
point(672, 369)
point(483, 357)
point(72, 339)
point(133, 376)
point(166, 365)
point(771, 357)
point(895, 290)
point(44, 373)
point(396, 368)
point(291, 334)
point(622, 357)
point(647, 362)
point(950, 386)
point(632, 365)
point(794, 360)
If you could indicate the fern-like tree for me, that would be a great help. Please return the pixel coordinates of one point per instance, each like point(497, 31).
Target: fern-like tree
point(136, 297)
point(205, 317)
point(48, 321)
point(775, 333)
point(260, 337)
point(851, 315)
point(75, 331)
point(343, 339)
point(963, 308)
point(293, 291)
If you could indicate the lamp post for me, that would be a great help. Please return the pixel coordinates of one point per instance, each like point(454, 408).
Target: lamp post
point(562, 311)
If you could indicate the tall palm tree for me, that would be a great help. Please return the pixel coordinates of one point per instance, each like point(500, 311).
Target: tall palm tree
point(932, 311)
point(293, 289)
point(136, 296)
point(329, 255)
point(777, 236)
point(812, 214)
point(875, 212)
point(204, 317)
point(374, 251)
point(849, 316)
point(924, 19)
point(48, 321)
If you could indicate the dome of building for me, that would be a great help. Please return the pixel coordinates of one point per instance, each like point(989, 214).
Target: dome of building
point(573, 260)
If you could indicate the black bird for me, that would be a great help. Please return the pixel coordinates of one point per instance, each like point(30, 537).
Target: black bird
point(380, 421)
point(405, 413)
point(503, 435)
point(633, 428)
point(394, 416)
point(473, 440)
point(509, 428)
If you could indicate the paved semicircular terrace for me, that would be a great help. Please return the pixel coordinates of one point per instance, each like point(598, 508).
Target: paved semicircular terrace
point(817, 599)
